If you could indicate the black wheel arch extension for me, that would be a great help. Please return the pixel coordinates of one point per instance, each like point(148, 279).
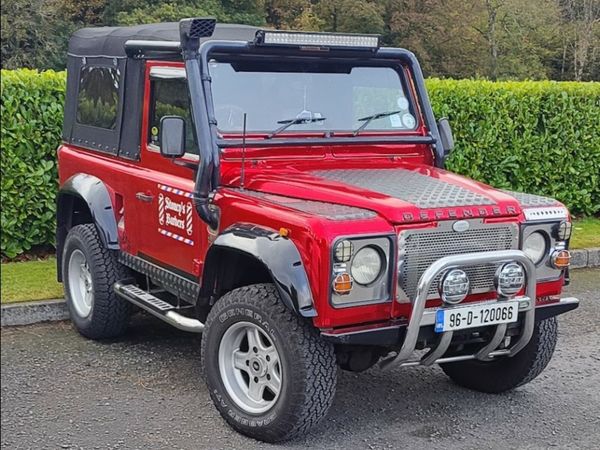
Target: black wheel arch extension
point(272, 253)
point(84, 198)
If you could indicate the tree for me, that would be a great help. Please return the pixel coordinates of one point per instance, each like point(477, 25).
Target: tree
point(85, 12)
point(496, 39)
point(581, 37)
point(288, 14)
point(439, 33)
point(356, 16)
point(520, 37)
point(309, 20)
point(34, 34)
point(490, 33)
point(131, 12)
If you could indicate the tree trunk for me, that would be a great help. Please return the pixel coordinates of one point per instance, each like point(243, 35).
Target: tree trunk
point(491, 35)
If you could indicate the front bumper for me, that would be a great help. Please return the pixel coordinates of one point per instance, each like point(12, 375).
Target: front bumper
point(423, 319)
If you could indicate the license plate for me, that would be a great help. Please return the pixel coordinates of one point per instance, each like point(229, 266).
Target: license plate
point(463, 317)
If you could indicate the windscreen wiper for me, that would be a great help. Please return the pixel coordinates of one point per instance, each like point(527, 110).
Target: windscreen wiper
point(369, 119)
point(298, 120)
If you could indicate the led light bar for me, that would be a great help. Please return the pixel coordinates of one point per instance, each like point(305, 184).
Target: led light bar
point(301, 39)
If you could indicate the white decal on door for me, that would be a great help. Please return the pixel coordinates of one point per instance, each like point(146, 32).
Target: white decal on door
point(175, 215)
point(188, 219)
point(161, 209)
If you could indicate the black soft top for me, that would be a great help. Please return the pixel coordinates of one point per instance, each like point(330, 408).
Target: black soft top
point(104, 47)
point(110, 41)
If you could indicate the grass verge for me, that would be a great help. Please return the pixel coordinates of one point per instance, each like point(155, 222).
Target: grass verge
point(30, 281)
point(586, 233)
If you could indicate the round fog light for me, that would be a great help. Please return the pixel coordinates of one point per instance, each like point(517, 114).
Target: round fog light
point(510, 279)
point(454, 286)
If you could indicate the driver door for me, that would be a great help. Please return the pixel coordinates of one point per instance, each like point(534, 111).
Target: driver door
point(170, 233)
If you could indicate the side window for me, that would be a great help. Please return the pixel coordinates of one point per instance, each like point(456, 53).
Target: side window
point(169, 97)
point(98, 97)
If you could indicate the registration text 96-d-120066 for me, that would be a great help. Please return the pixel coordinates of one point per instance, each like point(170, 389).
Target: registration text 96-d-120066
point(476, 316)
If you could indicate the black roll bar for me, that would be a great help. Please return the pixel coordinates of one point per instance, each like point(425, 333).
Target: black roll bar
point(139, 48)
point(399, 54)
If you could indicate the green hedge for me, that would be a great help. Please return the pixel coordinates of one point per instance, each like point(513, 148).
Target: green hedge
point(538, 137)
point(32, 114)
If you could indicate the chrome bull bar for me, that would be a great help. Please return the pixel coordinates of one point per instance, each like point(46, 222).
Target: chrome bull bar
point(489, 351)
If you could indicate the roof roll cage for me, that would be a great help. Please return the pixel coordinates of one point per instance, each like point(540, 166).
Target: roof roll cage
point(139, 49)
point(209, 48)
point(198, 28)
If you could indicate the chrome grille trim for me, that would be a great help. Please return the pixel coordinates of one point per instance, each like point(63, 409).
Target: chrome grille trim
point(420, 248)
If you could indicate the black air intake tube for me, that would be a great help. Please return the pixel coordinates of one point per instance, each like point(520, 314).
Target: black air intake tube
point(206, 168)
point(190, 43)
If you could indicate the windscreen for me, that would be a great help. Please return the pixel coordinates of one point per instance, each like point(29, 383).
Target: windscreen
point(320, 97)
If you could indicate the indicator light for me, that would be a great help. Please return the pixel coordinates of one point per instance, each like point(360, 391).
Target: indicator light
point(561, 259)
point(342, 284)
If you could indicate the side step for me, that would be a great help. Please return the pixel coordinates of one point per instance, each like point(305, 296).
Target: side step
point(157, 307)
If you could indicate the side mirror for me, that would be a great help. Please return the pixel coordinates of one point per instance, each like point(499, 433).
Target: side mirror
point(172, 136)
point(446, 135)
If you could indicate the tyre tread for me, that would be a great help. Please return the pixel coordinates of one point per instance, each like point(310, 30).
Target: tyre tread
point(316, 361)
point(110, 313)
point(508, 373)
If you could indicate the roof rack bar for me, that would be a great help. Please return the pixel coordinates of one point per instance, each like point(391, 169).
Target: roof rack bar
point(137, 47)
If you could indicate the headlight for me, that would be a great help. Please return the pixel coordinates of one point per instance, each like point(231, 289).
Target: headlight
point(366, 265)
point(535, 246)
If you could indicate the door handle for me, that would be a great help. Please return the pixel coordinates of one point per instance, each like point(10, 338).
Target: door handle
point(144, 197)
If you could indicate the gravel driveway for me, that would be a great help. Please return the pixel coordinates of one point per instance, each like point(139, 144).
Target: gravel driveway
point(60, 390)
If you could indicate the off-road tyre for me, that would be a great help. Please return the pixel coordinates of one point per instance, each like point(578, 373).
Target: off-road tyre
point(309, 370)
point(508, 373)
point(109, 315)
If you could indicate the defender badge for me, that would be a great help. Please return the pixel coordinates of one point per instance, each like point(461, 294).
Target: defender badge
point(460, 225)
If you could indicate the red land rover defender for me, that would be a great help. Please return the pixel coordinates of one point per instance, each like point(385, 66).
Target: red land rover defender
point(284, 194)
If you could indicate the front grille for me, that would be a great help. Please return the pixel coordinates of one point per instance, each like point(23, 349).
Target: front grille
point(418, 249)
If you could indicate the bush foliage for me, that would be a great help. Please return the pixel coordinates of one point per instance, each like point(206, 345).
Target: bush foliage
point(32, 114)
point(538, 137)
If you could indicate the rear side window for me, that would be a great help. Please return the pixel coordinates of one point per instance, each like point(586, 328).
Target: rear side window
point(98, 97)
point(170, 98)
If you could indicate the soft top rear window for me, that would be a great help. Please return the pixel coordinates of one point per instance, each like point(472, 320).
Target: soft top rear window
point(98, 96)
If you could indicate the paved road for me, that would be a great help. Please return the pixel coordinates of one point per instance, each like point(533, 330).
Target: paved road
point(143, 391)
